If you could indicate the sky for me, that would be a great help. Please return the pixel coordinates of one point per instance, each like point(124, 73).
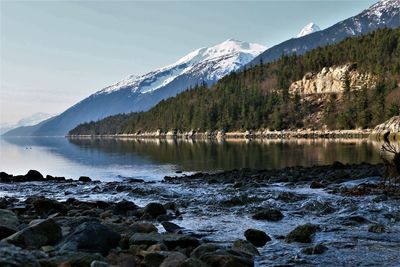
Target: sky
point(55, 53)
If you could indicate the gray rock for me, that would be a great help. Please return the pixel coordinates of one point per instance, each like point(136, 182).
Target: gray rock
point(257, 237)
point(97, 263)
point(245, 247)
point(173, 259)
point(302, 233)
point(8, 223)
point(171, 227)
point(37, 234)
point(155, 209)
point(170, 240)
point(268, 215)
point(91, 237)
point(12, 256)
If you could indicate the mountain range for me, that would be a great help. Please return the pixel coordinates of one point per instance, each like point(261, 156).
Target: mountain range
point(206, 66)
point(139, 93)
point(383, 14)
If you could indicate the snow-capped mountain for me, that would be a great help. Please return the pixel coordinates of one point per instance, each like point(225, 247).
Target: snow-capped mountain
point(308, 29)
point(385, 13)
point(28, 121)
point(140, 93)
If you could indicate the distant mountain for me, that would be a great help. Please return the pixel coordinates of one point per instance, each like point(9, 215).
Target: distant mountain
point(139, 93)
point(28, 121)
point(385, 13)
point(308, 29)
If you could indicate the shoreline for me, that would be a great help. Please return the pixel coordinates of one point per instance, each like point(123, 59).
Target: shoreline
point(248, 135)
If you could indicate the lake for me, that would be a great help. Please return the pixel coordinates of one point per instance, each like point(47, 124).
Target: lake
point(152, 159)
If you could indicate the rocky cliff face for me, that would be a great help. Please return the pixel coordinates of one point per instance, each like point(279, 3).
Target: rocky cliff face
point(390, 129)
point(332, 80)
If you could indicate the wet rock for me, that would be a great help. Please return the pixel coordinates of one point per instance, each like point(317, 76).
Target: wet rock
point(268, 215)
point(45, 206)
point(67, 259)
point(302, 233)
point(191, 262)
point(316, 185)
point(123, 207)
point(338, 165)
point(354, 220)
point(34, 175)
point(226, 258)
point(257, 237)
point(170, 240)
point(204, 249)
point(171, 227)
point(84, 179)
point(154, 259)
point(173, 259)
point(12, 256)
point(318, 249)
point(142, 227)
point(380, 198)
point(8, 223)
point(289, 197)
point(376, 228)
point(39, 233)
point(246, 247)
point(155, 209)
point(91, 237)
point(97, 263)
point(165, 218)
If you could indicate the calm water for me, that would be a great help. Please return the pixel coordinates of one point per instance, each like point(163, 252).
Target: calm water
point(107, 159)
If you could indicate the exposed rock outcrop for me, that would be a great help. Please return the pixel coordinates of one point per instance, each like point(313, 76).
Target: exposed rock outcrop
point(332, 80)
point(390, 129)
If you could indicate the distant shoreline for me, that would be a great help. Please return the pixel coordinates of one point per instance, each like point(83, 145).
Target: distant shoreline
point(220, 135)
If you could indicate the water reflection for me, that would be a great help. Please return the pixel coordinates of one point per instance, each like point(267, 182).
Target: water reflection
point(155, 158)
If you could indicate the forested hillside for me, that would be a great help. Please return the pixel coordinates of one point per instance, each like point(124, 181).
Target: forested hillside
point(258, 98)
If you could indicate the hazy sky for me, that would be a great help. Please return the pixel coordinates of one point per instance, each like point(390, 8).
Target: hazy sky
point(55, 53)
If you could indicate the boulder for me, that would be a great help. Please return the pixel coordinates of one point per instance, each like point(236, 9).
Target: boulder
point(34, 175)
point(37, 234)
point(92, 237)
point(12, 256)
point(170, 240)
point(245, 247)
point(8, 223)
point(155, 209)
point(173, 259)
point(204, 249)
point(223, 257)
point(171, 227)
point(73, 259)
point(45, 206)
point(268, 215)
point(318, 249)
point(123, 207)
point(84, 179)
point(256, 237)
point(97, 263)
point(302, 233)
point(142, 227)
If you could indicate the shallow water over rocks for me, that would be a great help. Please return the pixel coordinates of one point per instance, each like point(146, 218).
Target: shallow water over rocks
point(219, 208)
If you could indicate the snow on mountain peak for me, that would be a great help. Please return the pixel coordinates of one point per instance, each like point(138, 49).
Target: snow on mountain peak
point(381, 7)
point(308, 29)
point(207, 63)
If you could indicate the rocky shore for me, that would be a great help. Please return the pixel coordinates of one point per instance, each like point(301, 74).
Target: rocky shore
point(310, 216)
point(260, 134)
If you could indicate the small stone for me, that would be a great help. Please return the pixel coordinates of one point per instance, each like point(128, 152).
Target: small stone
point(268, 215)
point(171, 227)
point(257, 237)
point(376, 228)
point(316, 185)
point(318, 249)
point(99, 264)
point(302, 233)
